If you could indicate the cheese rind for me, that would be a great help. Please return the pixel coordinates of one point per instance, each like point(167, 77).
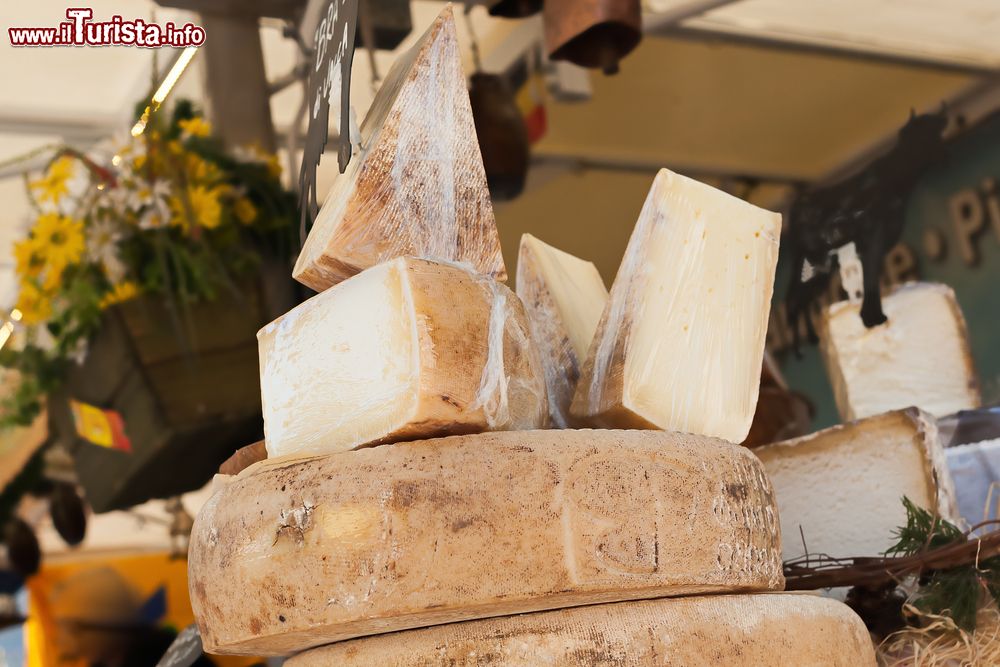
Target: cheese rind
point(564, 297)
point(681, 341)
point(295, 554)
point(407, 349)
point(418, 188)
point(778, 630)
point(843, 486)
point(920, 357)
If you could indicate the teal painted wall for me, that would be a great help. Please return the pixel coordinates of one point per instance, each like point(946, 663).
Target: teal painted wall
point(957, 203)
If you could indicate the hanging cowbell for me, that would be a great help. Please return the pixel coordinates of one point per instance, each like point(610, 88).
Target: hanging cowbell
point(592, 33)
point(503, 136)
point(515, 9)
point(68, 514)
point(509, 9)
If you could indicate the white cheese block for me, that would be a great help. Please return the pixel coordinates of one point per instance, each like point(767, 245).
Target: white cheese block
point(920, 357)
point(564, 297)
point(407, 349)
point(681, 341)
point(975, 470)
point(418, 187)
point(840, 490)
point(295, 554)
point(777, 630)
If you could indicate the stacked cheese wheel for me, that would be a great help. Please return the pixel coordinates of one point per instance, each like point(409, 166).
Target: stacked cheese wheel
point(413, 509)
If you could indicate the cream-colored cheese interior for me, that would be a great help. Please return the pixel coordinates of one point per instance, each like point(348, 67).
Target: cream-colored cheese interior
point(576, 288)
point(918, 358)
point(342, 368)
point(701, 301)
point(844, 487)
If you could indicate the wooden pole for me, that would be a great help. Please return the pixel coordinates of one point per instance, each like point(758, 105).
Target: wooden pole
point(237, 86)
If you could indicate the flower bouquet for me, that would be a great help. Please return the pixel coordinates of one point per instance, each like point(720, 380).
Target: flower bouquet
point(140, 291)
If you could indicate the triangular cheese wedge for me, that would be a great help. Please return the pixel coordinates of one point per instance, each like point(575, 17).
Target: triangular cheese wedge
point(681, 341)
point(418, 188)
point(564, 297)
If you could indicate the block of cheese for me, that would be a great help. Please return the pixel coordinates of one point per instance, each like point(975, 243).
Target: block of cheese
point(564, 297)
point(975, 470)
point(920, 357)
point(406, 349)
point(681, 341)
point(778, 630)
point(841, 489)
point(293, 554)
point(418, 187)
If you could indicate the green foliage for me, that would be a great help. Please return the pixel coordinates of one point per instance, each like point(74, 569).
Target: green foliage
point(957, 591)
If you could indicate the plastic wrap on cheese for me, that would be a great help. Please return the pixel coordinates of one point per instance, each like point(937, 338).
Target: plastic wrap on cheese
point(681, 340)
point(564, 297)
point(407, 349)
point(418, 187)
point(920, 357)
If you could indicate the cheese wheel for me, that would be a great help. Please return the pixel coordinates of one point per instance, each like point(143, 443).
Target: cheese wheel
point(299, 553)
point(779, 630)
point(681, 341)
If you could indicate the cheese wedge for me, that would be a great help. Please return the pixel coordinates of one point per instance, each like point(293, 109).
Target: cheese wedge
point(681, 341)
point(920, 357)
point(407, 349)
point(418, 188)
point(778, 630)
point(295, 554)
point(564, 297)
point(840, 490)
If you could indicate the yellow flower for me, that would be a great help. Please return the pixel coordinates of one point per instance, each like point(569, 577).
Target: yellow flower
point(195, 127)
point(29, 258)
point(244, 210)
point(60, 239)
point(274, 165)
point(205, 211)
point(199, 169)
point(34, 304)
point(121, 292)
point(53, 185)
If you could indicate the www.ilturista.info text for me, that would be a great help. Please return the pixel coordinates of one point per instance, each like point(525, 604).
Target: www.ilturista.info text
point(81, 30)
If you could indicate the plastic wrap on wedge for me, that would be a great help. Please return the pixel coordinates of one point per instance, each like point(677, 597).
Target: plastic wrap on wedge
point(564, 297)
point(418, 188)
point(407, 349)
point(778, 630)
point(681, 340)
point(296, 554)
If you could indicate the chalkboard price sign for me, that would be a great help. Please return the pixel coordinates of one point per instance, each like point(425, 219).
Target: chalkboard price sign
point(185, 650)
point(329, 83)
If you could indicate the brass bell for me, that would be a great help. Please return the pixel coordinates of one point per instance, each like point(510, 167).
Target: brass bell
point(592, 33)
point(515, 9)
point(503, 136)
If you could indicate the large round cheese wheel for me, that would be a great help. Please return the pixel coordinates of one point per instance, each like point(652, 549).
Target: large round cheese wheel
point(777, 630)
point(295, 554)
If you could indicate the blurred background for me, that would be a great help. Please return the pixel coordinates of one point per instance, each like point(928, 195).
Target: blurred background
point(761, 98)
